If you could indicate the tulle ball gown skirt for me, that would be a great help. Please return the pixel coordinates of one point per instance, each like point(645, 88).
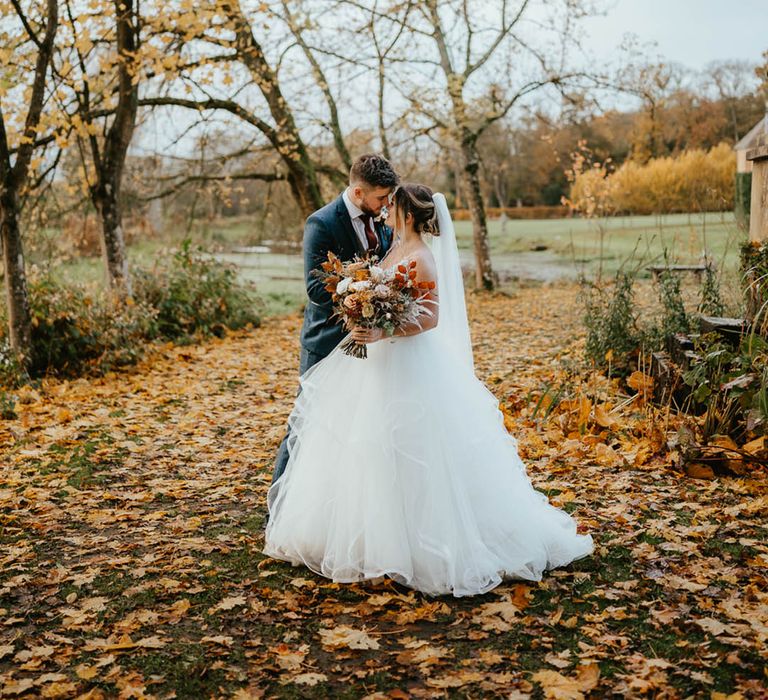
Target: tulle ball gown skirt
point(400, 465)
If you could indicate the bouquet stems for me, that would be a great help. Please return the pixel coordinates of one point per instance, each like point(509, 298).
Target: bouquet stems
point(359, 350)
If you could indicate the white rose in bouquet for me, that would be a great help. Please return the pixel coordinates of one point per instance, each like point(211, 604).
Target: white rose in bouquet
point(382, 291)
point(343, 286)
point(360, 286)
point(377, 274)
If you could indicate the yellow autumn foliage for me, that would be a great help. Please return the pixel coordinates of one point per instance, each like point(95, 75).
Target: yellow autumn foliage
point(696, 180)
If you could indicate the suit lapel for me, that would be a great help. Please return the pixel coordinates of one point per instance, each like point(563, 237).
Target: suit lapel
point(346, 229)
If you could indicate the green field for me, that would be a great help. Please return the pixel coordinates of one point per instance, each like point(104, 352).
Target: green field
point(580, 244)
point(568, 247)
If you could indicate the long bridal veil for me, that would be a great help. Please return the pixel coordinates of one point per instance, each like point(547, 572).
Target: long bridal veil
point(452, 327)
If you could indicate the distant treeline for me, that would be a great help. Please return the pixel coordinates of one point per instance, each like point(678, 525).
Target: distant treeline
point(529, 164)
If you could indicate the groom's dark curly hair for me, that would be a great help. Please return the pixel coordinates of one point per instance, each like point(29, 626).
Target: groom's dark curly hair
point(373, 170)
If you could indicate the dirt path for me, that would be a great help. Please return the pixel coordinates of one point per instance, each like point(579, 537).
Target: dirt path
point(131, 511)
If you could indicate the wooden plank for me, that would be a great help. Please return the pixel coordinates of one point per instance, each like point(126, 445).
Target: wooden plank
point(658, 269)
point(730, 328)
point(677, 268)
point(758, 217)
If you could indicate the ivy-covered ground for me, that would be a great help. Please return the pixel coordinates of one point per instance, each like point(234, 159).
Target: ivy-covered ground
point(131, 527)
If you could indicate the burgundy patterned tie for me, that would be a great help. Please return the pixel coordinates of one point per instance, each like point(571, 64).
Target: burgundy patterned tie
point(370, 233)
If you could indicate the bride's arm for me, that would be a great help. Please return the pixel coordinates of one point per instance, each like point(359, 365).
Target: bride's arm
point(425, 272)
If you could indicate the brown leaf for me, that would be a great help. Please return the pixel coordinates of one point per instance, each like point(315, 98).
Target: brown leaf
point(346, 637)
point(699, 471)
point(555, 685)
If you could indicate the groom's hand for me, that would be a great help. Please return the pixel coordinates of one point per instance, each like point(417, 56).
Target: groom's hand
point(366, 335)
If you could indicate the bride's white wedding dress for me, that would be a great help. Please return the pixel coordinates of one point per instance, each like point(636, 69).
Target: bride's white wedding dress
point(400, 465)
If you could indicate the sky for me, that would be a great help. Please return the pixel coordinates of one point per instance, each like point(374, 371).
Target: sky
point(691, 32)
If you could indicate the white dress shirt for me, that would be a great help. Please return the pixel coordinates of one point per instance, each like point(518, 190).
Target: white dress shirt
point(357, 224)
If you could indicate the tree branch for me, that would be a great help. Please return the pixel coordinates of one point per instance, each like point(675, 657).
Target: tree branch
point(265, 177)
point(503, 32)
point(24, 153)
point(322, 82)
point(27, 27)
point(214, 103)
point(84, 98)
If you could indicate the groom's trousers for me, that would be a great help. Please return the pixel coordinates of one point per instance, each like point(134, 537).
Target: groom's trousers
point(307, 359)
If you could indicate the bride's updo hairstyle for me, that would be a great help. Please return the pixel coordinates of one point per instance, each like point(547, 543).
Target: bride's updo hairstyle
point(417, 201)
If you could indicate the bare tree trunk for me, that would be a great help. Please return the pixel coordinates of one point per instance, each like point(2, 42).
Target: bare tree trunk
point(484, 276)
point(113, 240)
point(469, 157)
point(17, 298)
point(305, 187)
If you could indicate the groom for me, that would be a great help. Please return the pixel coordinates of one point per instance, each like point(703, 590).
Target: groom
point(346, 228)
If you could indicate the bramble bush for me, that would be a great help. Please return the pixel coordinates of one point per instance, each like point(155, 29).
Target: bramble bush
point(613, 336)
point(616, 334)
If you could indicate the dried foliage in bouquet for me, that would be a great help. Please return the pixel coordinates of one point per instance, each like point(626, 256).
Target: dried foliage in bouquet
point(367, 295)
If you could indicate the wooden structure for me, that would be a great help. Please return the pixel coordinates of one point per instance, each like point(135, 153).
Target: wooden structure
point(757, 156)
point(658, 269)
point(748, 142)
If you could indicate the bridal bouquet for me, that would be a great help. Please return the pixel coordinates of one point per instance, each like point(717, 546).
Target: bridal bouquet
point(367, 295)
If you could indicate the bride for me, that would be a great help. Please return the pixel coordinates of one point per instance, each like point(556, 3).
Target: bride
point(399, 464)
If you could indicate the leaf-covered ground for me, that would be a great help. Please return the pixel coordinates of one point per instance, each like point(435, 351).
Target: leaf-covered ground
point(131, 524)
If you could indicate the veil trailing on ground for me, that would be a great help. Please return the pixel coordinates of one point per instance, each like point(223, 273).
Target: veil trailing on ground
point(452, 326)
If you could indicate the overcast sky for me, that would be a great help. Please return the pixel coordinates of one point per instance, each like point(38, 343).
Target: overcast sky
point(691, 32)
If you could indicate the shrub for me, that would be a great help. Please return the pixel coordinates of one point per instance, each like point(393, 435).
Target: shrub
point(195, 294)
point(612, 333)
point(74, 331)
point(674, 317)
point(710, 300)
point(731, 384)
point(615, 335)
point(754, 275)
point(77, 332)
point(7, 406)
point(10, 371)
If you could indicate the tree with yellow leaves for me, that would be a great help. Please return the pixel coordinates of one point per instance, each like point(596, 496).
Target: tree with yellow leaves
point(32, 50)
point(209, 56)
point(464, 65)
point(98, 71)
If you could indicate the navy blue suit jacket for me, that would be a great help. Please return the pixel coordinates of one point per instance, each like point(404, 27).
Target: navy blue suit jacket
point(330, 229)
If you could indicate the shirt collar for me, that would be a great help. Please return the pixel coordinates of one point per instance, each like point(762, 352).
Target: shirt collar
point(352, 208)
